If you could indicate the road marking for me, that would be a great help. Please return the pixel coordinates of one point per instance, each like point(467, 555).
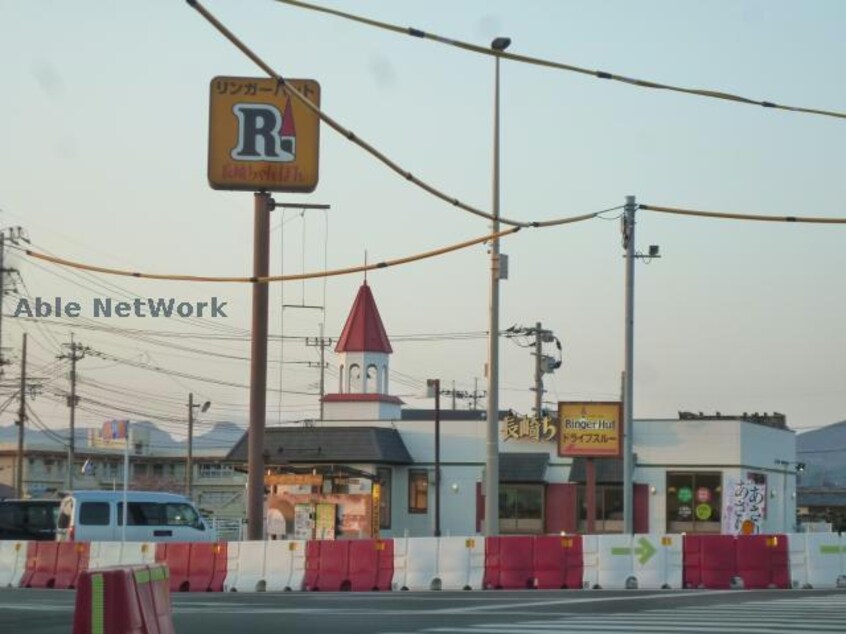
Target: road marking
point(571, 601)
point(794, 615)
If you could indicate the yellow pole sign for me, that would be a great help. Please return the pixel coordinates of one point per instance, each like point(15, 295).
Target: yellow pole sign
point(590, 429)
point(260, 137)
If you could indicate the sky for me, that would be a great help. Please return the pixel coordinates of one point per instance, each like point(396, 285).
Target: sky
point(104, 129)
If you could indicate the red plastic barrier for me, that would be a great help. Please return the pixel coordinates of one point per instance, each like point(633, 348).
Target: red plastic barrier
point(558, 562)
point(123, 600)
point(509, 563)
point(763, 561)
point(371, 564)
point(40, 569)
point(194, 567)
point(710, 561)
point(71, 560)
point(327, 565)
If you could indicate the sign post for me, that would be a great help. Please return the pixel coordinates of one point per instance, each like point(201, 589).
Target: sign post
point(590, 429)
point(261, 139)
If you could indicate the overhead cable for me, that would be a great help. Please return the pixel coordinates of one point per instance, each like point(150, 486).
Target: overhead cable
point(351, 136)
point(736, 216)
point(285, 278)
point(536, 61)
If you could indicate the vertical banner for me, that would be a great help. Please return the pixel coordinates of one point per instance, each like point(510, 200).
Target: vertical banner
point(744, 507)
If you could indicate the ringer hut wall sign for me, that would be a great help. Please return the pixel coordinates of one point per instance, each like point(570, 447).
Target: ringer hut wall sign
point(260, 137)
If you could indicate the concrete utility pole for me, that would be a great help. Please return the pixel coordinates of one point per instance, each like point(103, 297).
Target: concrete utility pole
point(628, 228)
point(544, 364)
point(13, 235)
point(434, 385)
point(75, 352)
point(628, 399)
point(321, 342)
point(19, 490)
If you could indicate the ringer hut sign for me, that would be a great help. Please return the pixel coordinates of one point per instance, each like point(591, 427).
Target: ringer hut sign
point(590, 429)
point(261, 137)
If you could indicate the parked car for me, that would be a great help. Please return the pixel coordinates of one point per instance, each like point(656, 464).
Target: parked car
point(28, 519)
point(153, 516)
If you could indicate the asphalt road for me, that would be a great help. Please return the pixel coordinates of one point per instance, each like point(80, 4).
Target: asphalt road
point(494, 612)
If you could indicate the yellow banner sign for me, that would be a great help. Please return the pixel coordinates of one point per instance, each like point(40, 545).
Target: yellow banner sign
point(260, 137)
point(590, 429)
point(298, 479)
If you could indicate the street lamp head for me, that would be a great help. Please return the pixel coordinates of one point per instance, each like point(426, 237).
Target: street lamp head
point(205, 406)
point(501, 43)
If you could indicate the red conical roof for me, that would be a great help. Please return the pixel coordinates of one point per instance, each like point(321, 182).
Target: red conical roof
point(364, 331)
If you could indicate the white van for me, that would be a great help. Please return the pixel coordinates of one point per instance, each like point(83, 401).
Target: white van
point(89, 516)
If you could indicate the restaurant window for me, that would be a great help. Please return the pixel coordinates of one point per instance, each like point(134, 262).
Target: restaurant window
point(694, 501)
point(383, 474)
point(521, 508)
point(609, 508)
point(418, 491)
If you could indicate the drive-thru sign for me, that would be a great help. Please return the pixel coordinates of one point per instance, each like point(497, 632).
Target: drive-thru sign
point(261, 138)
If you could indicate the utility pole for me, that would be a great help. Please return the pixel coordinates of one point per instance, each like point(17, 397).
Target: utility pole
point(544, 364)
point(628, 458)
point(628, 228)
point(189, 462)
point(21, 419)
point(75, 352)
point(15, 234)
point(321, 342)
point(434, 386)
point(477, 394)
point(538, 371)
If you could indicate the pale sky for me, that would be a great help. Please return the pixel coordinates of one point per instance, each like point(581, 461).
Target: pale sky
point(104, 137)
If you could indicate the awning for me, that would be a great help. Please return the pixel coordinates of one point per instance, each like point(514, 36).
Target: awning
point(523, 467)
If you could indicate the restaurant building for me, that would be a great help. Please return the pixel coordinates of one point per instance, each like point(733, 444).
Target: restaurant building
point(374, 462)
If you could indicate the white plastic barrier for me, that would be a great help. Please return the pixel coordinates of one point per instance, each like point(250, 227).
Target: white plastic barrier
point(245, 570)
point(798, 560)
point(590, 561)
point(438, 563)
point(104, 554)
point(415, 563)
point(461, 562)
point(284, 565)
point(817, 560)
point(259, 566)
point(12, 563)
point(651, 561)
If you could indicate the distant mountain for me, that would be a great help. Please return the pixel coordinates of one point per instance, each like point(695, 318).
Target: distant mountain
point(221, 436)
point(824, 453)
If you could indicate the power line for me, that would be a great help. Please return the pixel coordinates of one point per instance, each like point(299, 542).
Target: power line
point(283, 278)
point(536, 61)
point(738, 216)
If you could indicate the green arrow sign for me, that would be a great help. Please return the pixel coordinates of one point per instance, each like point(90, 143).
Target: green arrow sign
point(645, 550)
point(832, 550)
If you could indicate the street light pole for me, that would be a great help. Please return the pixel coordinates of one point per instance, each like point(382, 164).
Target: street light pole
point(492, 445)
point(189, 462)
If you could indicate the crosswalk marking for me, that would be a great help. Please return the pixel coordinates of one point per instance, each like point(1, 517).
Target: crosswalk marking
point(794, 615)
